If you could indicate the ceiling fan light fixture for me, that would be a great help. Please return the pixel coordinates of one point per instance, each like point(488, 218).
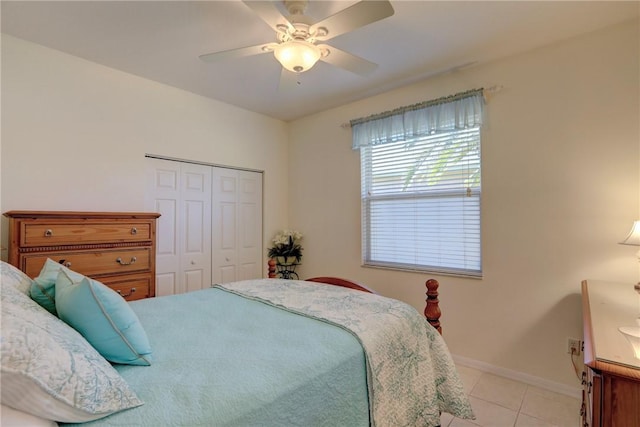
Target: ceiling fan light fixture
point(297, 55)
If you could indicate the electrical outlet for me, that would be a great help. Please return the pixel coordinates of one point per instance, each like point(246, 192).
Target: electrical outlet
point(573, 346)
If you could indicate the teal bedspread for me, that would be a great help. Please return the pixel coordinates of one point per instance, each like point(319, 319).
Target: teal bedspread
point(224, 360)
point(411, 377)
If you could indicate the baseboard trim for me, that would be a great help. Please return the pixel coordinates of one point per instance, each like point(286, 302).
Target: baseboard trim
point(519, 376)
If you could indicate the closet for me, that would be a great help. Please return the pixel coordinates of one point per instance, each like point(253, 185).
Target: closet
point(210, 228)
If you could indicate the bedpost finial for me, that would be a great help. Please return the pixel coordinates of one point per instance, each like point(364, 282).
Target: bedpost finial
point(432, 286)
point(432, 310)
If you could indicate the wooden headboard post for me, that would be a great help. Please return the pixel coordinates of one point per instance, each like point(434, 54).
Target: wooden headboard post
point(432, 310)
point(271, 268)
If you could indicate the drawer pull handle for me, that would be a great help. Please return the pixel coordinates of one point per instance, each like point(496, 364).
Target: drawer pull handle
point(48, 232)
point(127, 295)
point(134, 231)
point(65, 263)
point(133, 260)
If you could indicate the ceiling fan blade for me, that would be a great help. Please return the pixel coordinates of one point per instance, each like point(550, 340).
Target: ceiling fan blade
point(356, 16)
point(349, 62)
point(238, 53)
point(269, 13)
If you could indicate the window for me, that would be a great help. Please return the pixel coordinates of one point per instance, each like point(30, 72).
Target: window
point(421, 187)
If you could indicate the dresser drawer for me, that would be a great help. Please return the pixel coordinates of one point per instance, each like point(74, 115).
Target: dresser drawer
point(53, 233)
point(130, 287)
point(92, 262)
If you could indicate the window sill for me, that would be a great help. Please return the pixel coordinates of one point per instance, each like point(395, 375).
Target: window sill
point(465, 275)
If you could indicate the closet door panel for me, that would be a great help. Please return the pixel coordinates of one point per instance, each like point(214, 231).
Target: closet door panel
point(181, 193)
point(166, 284)
point(227, 226)
point(166, 245)
point(167, 257)
point(194, 215)
point(225, 214)
point(195, 254)
point(248, 271)
point(227, 274)
point(194, 281)
point(250, 256)
point(163, 196)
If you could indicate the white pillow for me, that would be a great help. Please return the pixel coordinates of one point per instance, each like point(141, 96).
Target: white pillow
point(49, 370)
point(10, 417)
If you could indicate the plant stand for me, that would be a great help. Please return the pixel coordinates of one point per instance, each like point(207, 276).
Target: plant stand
point(287, 271)
point(282, 270)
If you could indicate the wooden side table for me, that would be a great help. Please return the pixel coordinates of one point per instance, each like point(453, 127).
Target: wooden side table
point(611, 395)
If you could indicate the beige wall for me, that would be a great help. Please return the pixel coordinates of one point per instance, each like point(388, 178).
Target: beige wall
point(560, 154)
point(74, 135)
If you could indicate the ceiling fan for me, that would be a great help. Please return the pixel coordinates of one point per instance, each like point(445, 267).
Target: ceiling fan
point(297, 47)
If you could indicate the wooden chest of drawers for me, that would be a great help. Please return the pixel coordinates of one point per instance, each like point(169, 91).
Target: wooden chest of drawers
point(115, 248)
point(611, 396)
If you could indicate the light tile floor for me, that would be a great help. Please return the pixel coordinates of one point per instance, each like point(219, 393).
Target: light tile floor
point(502, 402)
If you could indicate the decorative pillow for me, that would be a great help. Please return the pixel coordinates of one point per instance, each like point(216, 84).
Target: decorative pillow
point(14, 278)
point(43, 289)
point(104, 318)
point(47, 369)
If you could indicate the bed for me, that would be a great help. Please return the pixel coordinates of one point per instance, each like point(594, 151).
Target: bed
point(267, 352)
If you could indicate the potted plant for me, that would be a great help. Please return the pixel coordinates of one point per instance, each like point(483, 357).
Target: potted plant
point(286, 248)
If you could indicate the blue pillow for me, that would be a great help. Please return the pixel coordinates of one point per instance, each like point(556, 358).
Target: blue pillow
point(104, 318)
point(43, 288)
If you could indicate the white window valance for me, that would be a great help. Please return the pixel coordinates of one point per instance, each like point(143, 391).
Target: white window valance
point(455, 112)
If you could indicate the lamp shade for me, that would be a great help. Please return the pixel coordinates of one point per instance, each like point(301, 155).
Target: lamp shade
point(297, 55)
point(632, 334)
point(633, 238)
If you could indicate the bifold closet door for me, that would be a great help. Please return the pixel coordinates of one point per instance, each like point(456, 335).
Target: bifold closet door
point(237, 225)
point(181, 193)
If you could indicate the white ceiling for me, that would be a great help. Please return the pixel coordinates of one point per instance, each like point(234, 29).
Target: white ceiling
point(161, 41)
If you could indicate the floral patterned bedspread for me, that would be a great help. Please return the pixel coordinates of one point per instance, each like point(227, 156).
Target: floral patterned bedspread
point(410, 374)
